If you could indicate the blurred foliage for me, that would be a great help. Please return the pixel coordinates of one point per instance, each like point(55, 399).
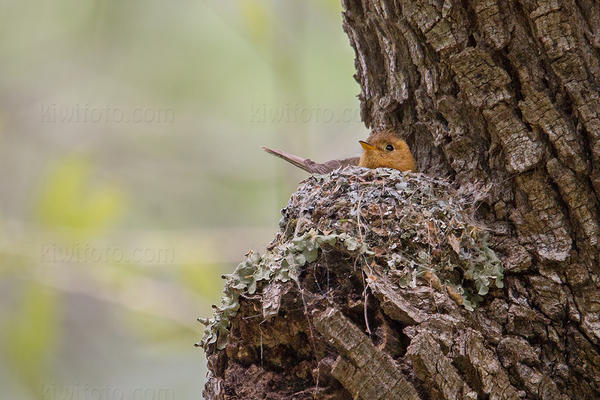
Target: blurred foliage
point(67, 201)
point(197, 186)
point(30, 334)
point(203, 278)
point(257, 19)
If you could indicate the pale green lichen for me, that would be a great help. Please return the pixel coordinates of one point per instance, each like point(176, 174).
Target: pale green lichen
point(410, 222)
point(280, 264)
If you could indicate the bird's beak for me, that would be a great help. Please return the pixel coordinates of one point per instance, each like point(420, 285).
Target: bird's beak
point(366, 145)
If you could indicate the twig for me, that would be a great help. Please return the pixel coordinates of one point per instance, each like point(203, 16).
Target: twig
point(365, 303)
point(358, 217)
point(310, 329)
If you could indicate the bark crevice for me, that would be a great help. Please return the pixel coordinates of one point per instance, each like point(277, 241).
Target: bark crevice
point(501, 99)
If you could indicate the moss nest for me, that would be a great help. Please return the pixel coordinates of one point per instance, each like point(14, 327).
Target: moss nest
point(409, 224)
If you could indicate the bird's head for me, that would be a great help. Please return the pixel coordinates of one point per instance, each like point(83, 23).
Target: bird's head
point(385, 149)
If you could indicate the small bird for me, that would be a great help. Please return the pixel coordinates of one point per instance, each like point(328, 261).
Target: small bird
point(381, 149)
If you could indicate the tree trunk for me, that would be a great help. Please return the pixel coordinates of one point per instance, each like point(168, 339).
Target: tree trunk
point(501, 99)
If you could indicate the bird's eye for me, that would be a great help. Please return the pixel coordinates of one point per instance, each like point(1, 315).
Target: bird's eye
point(389, 147)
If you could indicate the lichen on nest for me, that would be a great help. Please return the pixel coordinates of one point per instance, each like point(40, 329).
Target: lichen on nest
point(410, 223)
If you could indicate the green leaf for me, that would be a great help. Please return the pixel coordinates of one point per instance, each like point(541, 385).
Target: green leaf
point(69, 200)
point(258, 20)
point(31, 334)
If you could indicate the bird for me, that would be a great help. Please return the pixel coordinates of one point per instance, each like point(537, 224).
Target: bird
point(381, 149)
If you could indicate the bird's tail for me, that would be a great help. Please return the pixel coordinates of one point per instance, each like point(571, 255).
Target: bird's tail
point(309, 165)
point(302, 163)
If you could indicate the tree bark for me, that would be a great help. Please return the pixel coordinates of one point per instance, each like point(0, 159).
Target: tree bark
point(499, 98)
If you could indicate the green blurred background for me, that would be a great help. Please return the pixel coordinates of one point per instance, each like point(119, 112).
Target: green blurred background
point(132, 175)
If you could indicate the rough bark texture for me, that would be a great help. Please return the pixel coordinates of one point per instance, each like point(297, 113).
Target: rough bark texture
point(495, 95)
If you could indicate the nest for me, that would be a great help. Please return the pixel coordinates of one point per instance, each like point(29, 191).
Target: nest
point(411, 225)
